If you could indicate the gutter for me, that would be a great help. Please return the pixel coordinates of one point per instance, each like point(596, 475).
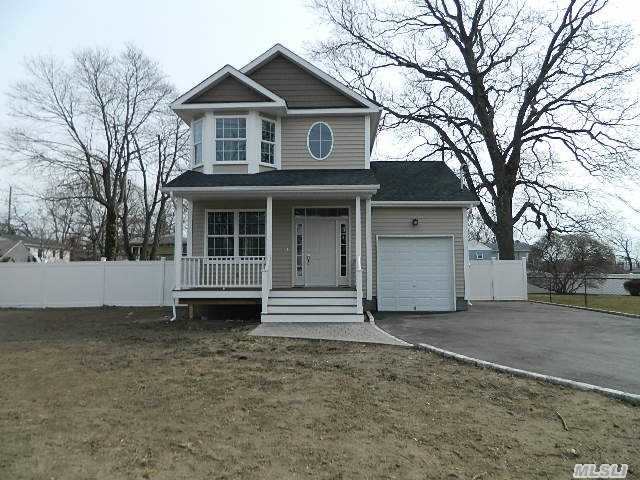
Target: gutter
point(427, 203)
point(276, 189)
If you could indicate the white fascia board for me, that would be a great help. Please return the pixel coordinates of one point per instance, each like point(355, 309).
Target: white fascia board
point(219, 75)
point(330, 111)
point(401, 204)
point(277, 48)
point(276, 189)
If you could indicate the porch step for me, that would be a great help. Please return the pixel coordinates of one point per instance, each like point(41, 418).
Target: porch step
point(304, 305)
point(312, 293)
point(318, 317)
point(351, 301)
point(304, 309)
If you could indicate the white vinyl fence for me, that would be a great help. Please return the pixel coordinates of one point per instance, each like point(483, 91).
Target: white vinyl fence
point(86, 284)
point(497, 279)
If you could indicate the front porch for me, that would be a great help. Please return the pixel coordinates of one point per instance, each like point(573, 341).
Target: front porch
point(310, 261)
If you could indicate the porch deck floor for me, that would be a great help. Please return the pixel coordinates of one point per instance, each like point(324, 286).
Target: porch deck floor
point(364, 332)
point(320, 289)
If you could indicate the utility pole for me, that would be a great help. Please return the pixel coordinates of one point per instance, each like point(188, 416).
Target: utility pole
point(9, 212)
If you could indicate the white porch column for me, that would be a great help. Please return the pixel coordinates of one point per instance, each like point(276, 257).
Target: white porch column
point(369, 249)
point(267, 275)
point(358, 255)
point(177, 243)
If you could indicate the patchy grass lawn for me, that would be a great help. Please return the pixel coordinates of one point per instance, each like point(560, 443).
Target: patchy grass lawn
point(615, 303)
point(116, 393)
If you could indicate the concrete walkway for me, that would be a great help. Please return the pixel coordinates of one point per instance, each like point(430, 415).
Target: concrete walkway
point(345, 332)
point(590, 347)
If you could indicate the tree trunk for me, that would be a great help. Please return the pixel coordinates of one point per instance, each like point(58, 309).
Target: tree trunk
point(111, 233)
point(504, 229)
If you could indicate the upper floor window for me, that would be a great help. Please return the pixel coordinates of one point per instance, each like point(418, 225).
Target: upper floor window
point(320, 140)
point(268, 143)
point(196, 127)
point(231, 139)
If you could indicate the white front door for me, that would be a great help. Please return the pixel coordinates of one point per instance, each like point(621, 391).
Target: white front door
point(320, 250)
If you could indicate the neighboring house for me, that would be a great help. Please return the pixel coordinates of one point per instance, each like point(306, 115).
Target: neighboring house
point(520, 250)
point(27, 249)
point(12, 251)
point(480, 251)
point(288, 210)
point(165, 247)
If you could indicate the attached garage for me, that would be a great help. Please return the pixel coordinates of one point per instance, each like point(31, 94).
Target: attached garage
point(416, 273)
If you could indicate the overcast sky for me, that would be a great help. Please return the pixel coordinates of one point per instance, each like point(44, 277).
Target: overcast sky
point(190, 39)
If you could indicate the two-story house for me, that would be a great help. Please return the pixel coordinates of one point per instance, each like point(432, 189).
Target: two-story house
point(286, 208)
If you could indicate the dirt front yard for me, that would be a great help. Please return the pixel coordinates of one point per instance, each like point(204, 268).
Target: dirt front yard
point(117, 393)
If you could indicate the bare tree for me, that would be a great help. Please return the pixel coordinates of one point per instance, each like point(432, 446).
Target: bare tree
point(160, 152)
point(522, 99)
point(78, 119)
point(624, 245)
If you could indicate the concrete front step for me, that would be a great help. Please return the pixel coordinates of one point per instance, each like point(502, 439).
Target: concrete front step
point(319, 317)
point(312, 293)
point(303, 309)
point(348, 301)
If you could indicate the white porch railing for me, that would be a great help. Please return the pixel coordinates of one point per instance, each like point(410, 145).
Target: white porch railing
point(221, 272)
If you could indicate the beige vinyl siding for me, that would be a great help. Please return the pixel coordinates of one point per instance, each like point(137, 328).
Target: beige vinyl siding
point(282, 231)
point(220, 167)
point(348, 142)
point(297, 87)
point(229, 90)
point(431, 221)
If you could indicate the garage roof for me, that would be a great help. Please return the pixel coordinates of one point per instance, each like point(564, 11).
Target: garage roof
point(418, 182)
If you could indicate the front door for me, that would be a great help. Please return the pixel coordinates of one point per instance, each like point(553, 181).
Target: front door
point(320, 250)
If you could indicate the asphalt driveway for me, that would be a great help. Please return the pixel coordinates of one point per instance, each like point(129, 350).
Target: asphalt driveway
point(590, 347)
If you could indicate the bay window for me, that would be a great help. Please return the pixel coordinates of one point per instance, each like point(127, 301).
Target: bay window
point(231, 139)
point(232, 233)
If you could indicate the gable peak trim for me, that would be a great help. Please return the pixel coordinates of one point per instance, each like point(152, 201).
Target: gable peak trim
point(220, 75)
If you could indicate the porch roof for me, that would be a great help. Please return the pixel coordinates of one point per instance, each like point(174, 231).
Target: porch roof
point(345, 178)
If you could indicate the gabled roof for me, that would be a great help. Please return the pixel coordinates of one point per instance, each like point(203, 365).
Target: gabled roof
point(280, 50)
point(33, 242)
point(219, 76)
point(406, 181)
point(476, 245)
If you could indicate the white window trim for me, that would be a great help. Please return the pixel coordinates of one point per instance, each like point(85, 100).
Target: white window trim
point(236, 230)
point(333, 141)
point(479, 256)
point(215, 140)
point(199, 121)
point(274, 143)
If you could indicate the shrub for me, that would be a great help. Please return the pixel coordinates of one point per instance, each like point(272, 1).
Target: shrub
point(632, 286)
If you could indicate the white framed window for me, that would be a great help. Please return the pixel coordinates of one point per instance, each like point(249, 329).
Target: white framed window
point(196, 131)
point(231, 139)
point(320, 140)
point(220, 234)
point(232, 233)
point(251, 236)
point(268, 142)
point(479, 256)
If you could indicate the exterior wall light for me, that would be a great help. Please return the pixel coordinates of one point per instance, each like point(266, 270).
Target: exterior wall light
point(414, 222)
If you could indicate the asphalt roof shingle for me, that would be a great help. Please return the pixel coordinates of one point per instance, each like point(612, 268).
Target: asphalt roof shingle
point(418, 182)
point(399, 181)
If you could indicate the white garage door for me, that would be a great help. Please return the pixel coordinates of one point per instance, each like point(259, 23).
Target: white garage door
point(415, 274)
